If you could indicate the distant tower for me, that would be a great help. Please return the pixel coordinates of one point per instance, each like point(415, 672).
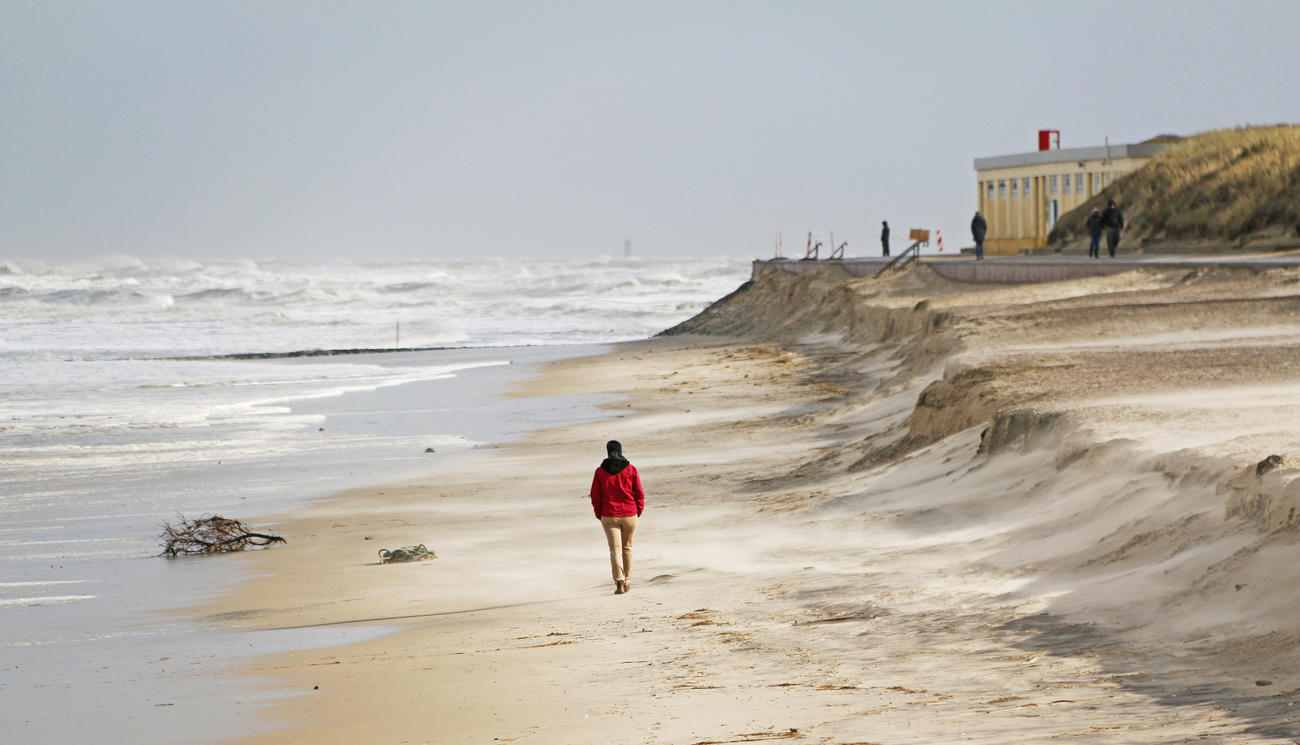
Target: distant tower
point(627, 247)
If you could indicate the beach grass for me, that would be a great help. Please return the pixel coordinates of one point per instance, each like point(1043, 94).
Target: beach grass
point(1225, 186)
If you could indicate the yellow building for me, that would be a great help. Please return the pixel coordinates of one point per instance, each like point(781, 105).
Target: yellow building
point(1022, 195)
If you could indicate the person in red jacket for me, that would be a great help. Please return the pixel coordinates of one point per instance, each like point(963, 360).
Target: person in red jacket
point(618, 500)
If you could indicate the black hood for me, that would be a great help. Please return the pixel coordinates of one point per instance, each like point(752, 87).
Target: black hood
point(614, 465)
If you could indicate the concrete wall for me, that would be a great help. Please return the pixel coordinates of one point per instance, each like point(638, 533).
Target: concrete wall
point(1002, 271)
point(1011, 271)
point(1025, 272)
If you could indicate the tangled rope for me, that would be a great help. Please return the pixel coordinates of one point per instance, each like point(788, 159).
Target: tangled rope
point(406, 553)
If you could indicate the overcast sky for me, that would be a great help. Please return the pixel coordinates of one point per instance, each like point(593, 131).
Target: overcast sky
point(394, 130)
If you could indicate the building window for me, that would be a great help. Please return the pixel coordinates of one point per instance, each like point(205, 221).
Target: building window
point(1028, 181)
point(1002, 190)
point(1096, 183)
point(1065, 184)
point(1051, 180)
point(990, 183)
point(1013, 188)
point(1078, 183)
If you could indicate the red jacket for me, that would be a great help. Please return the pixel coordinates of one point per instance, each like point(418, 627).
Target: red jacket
point(617, 494)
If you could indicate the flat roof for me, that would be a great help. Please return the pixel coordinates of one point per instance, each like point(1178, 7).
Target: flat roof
point(1070, 155)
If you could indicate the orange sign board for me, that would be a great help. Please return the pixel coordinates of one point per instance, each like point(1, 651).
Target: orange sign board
point(917, 234)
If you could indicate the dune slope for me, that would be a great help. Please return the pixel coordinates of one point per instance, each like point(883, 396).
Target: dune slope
point(1226, 186)
point(1132, 450)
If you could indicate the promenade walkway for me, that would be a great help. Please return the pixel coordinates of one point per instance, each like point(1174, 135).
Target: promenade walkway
point(1024, 269)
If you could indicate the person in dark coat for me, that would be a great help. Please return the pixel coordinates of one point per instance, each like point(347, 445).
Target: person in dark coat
point(884, 238)
point(1113, 221)
point(1094, 233)
point(978, 229)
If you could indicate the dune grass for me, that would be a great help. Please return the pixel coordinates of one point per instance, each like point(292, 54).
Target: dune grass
point(1225, 186)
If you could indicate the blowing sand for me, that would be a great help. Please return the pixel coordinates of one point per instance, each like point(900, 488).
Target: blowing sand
point(895, 511)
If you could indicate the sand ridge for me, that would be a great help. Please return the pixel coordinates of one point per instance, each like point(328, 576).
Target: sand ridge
point(890, 512)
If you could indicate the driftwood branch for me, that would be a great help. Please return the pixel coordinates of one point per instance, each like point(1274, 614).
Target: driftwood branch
point(209, 535)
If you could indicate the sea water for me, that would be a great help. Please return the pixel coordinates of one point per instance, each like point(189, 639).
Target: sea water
point(132, 392)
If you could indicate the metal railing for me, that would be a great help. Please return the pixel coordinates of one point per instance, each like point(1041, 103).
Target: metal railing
point(900, 261)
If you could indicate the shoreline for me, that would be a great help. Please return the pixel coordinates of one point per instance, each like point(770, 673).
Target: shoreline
point(286, 596)
point(855, 536)
point(125, 648)
point(108, 440)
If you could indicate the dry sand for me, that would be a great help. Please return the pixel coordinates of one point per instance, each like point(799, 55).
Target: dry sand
point(896, 511)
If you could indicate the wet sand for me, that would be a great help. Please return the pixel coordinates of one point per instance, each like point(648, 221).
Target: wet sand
point(897, 511)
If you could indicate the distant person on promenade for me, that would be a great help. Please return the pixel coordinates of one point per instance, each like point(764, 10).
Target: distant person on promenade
point(978, 229)
point(618, 500)
point(1094, 234)
point(884, 238)
point(1113, 220)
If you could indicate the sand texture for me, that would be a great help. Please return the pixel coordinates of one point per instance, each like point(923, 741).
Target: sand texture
point(879, 511)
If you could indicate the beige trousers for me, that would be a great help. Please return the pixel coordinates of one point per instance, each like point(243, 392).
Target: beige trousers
point(618, 534)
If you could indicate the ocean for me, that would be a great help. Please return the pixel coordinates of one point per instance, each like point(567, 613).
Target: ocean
point(132, 392)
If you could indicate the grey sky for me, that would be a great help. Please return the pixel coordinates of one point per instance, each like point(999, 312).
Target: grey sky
point(391, 130)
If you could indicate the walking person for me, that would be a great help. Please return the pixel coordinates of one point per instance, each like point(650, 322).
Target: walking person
point(618, 500)
point(884, 238)
point(1113, 220)
point(1094, 234)
point(979, 228)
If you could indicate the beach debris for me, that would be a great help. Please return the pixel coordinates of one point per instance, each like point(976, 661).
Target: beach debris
point(430, 450)
point(209, 535)
point(405, 553)
point(1268, 464)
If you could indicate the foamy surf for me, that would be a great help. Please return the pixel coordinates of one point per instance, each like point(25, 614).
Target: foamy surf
point(43, 600)
point(46, 583)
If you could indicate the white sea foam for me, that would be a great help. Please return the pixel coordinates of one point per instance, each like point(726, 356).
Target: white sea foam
point(182, 307)
point(47, 583)
point(78, 541)
point(89, 380)
point(43, 600)
point(72, 554)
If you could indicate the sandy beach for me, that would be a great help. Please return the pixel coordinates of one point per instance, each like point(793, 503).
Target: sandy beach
point(905, 510)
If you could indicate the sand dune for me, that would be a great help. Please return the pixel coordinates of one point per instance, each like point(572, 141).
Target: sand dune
point(896, 511)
